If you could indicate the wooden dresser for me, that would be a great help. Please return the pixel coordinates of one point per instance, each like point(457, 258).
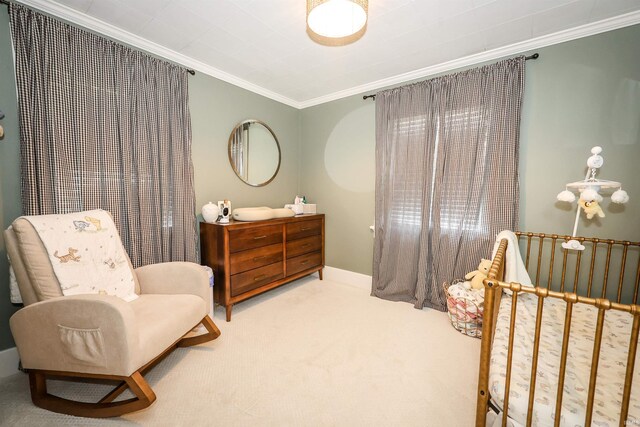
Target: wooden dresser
point(249, 258)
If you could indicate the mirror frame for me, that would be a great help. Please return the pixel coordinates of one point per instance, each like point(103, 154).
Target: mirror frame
point(275, 138)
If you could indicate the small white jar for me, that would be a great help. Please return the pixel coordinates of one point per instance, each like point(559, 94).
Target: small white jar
point(210, 212)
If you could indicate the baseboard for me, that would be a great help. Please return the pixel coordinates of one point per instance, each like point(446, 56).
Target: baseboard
point(9, 362)
point(347, 277)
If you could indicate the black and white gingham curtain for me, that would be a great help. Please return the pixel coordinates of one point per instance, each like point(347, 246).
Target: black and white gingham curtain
point(446, 178)
point(105, 126)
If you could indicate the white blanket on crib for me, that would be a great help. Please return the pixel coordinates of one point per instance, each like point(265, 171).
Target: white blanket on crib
point(514, 269)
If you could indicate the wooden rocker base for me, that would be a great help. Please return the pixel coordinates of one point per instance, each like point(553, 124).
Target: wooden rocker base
point(212, 333)
point(106, 407)
point(144, 396)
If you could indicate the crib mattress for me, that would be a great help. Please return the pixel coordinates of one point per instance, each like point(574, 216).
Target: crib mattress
point(611, 368)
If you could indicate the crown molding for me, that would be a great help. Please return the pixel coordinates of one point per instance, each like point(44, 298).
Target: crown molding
point(590, 29)
point(75, 17)
point(93, 24)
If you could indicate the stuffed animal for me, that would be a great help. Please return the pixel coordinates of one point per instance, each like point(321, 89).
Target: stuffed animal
point(591, 208)
point(477, 276)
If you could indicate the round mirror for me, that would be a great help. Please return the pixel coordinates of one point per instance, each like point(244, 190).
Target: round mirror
point(254, 152)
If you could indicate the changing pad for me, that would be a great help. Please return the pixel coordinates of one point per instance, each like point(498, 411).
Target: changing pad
point(261, 213)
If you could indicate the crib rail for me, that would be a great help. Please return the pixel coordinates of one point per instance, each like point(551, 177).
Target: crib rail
point(603, 264)
point(620, 259)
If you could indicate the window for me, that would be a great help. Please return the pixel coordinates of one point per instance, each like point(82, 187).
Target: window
point(408, 184)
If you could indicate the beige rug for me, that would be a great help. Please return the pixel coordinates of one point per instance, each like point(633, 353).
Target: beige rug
point(312, 353)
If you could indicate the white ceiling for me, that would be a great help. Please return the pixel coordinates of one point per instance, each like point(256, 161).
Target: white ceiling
point(262, 44)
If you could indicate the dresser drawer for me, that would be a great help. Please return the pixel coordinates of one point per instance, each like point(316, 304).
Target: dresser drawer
point(300, 229)
point(252, 279)
point(303, 262)
point(254, 258)
point(303, 246)
point(254, 237)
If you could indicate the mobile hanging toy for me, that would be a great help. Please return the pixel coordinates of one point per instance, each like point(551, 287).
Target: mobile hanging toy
point(591, 191)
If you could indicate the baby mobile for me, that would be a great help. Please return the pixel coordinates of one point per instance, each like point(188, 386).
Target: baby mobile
point(591, 190)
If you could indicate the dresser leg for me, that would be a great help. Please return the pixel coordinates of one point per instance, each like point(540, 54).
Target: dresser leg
point(320, 274)
point(229, 307)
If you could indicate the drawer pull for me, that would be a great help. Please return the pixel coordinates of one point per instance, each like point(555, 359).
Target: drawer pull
point(304, 262)
point(258, 258)
point(305, 229)
point(260, 277)
point(260, 237)
point(305, 245)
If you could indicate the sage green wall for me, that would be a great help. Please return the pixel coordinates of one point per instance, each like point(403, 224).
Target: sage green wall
point(216, 107)
point(10, 204)
point(577, 95)
point(337, 172)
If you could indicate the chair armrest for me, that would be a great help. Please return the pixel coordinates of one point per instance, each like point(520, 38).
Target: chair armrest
point(174, 278)
point(80, 333)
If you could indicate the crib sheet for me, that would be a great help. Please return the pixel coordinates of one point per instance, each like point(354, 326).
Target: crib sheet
point(611, 369)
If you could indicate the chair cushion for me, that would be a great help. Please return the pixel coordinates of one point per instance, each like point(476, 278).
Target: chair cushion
point(164, 319)
point(36, 261)
point(26, 291)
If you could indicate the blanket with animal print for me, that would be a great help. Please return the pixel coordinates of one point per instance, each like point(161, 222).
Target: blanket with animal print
point(86, 253)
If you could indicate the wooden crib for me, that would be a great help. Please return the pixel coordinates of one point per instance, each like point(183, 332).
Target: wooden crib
point(582, 284)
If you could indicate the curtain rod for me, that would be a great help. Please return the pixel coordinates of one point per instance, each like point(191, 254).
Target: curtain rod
point(534, 56)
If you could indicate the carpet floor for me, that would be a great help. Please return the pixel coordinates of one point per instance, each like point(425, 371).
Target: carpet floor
point(311, 353)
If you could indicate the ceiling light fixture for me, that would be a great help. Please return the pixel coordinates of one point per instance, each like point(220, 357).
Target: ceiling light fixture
point(336, 22)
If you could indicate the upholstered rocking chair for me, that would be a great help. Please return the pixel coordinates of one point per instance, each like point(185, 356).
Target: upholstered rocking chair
point(101, 336)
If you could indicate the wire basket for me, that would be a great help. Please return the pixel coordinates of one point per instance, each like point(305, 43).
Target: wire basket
point(465, 313)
